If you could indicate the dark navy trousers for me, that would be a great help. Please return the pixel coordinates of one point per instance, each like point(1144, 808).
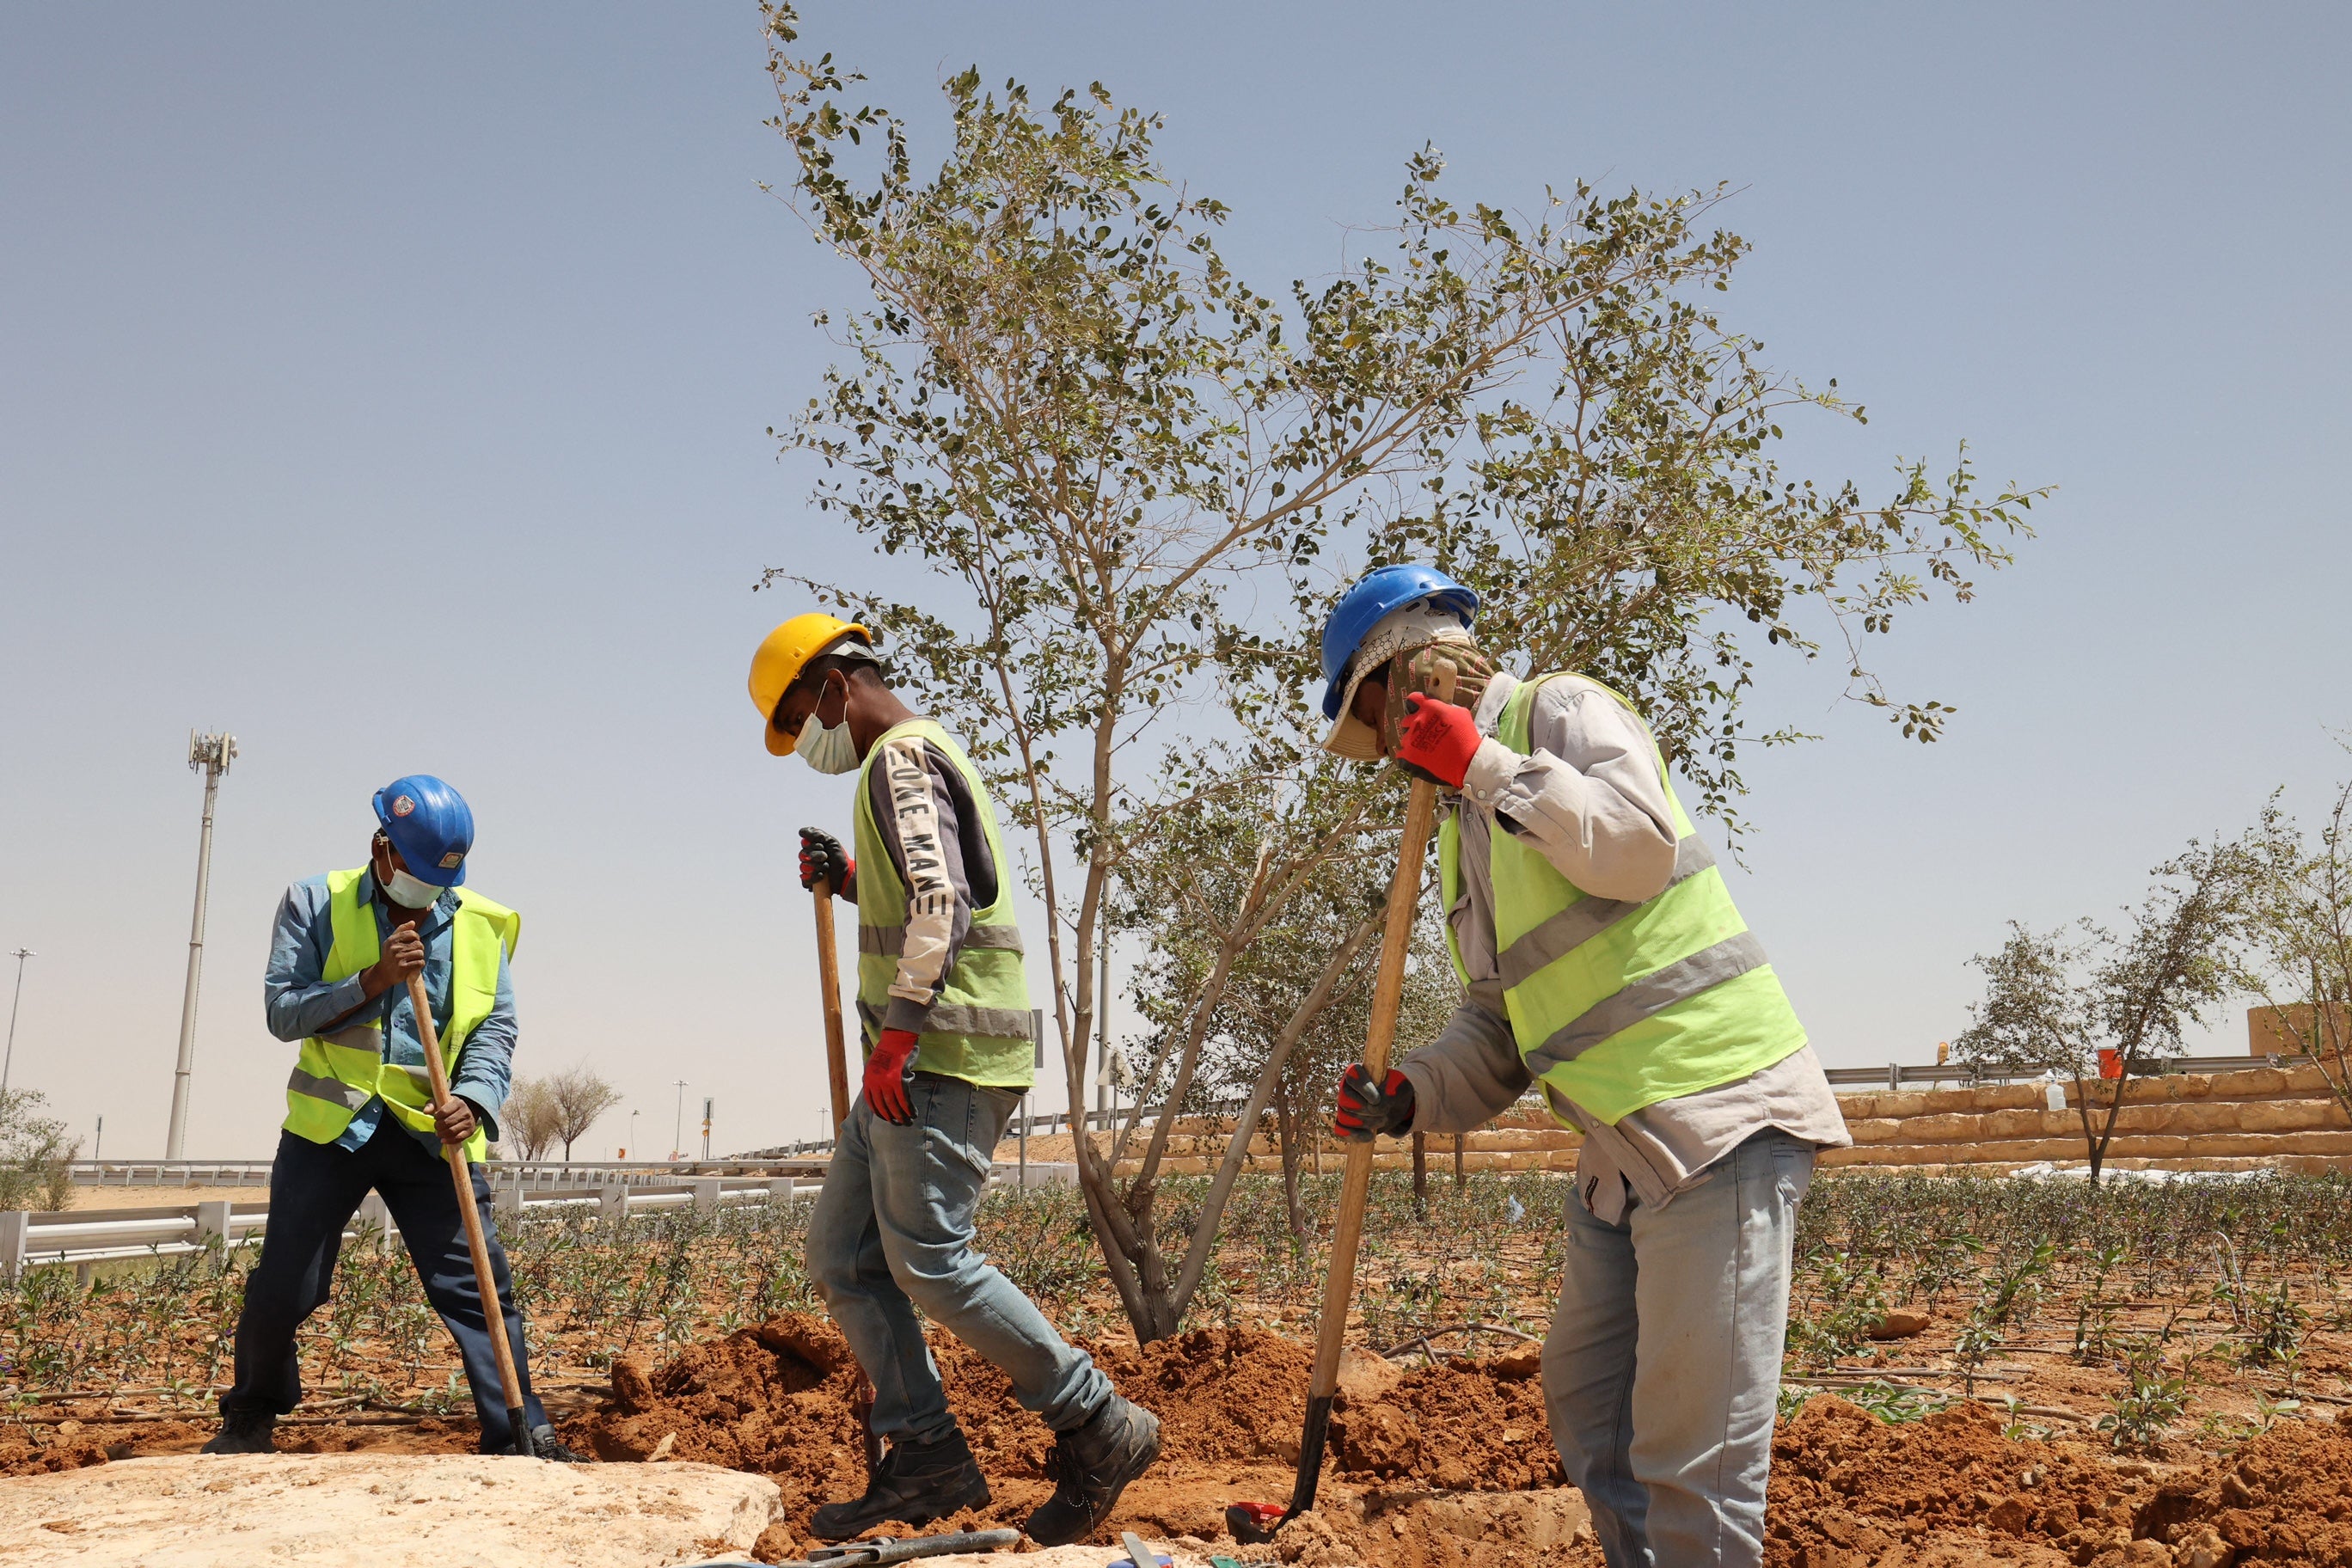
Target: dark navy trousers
point(314, 1190)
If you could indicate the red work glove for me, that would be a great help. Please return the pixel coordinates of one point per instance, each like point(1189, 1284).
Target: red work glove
point(1436, 740)
point(1367, 1110)
point(890, 1071)
point(823, 859)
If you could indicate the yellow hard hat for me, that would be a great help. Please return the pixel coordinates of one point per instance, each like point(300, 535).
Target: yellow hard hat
point(782, 656)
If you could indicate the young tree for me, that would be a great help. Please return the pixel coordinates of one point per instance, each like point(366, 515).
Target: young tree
point(1248, 981)
point(35, 1156)
point(1122, 466)
point(2037, 1016)
point(2301, 962)
point(2052, 1005)
point(581, 1096)
point(530, 1118)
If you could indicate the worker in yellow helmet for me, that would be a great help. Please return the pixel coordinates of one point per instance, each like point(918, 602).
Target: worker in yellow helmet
point(943, 1007)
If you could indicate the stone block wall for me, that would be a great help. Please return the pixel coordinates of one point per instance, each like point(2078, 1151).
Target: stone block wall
point(2263, 1117)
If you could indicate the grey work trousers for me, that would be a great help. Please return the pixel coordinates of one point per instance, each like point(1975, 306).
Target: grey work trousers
point(893, 1230)
point(1662, 1371)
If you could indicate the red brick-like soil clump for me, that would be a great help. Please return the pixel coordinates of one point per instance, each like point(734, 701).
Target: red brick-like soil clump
point(1845, 1481)
point(1459, 1425)
point(2286, 1496)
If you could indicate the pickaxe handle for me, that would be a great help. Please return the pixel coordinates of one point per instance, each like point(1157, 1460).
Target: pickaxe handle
point(461, 1173)
point(836, 1067)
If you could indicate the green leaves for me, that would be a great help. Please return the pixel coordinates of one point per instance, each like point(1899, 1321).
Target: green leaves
point(1135, 480)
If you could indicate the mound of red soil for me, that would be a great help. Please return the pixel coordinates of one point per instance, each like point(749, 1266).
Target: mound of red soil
point(1220, 1393)
point(1461, 1426)
point(2286, 1496)
point(21, 1454)
point(777, 1399)
point(1844, 1482)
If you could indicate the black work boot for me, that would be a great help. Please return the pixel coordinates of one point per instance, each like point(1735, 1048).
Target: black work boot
point(1091, 1465)
point(543, 1445)
point(244, 1432)
point(914, 1484)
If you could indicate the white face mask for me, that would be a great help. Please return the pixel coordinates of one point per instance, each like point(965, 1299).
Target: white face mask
point(410, 893)
point(827, 747)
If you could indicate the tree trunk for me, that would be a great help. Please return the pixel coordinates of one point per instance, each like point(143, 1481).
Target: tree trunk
point(2083, 1112)
point(1285, 1123)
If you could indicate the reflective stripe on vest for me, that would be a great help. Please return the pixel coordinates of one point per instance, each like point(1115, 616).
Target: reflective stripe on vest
point(978, 1027)
point(1617, 1004)
point(892, 940)
point(336, 1075)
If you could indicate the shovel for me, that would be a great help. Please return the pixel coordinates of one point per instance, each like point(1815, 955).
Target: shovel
point(836, 1068)
point(461, 1171)
point(882, 1549)
point(1253, 1522)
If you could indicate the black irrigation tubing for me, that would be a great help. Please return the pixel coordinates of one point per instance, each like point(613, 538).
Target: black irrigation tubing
point(1420, 1341)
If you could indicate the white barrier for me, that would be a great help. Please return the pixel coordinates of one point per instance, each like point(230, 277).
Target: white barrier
point(29, 1240)
point(35, 1239)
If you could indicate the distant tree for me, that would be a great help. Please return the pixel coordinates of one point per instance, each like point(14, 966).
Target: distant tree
point(2301, 962)
point(36, 1157)
point(2052, 1002)
point(581, 1096)
point(530, 1118)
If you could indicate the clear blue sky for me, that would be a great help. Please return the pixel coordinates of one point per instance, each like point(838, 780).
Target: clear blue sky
point(388, 386)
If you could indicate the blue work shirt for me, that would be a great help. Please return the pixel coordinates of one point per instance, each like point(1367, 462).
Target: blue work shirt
point(300, 1004)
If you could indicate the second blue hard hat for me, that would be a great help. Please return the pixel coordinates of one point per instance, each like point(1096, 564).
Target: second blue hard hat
point(1382, 591)
point(431, 826)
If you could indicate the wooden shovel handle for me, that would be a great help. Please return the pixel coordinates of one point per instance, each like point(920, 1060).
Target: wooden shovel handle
point(828, 983)
point(461, 1174)
point(1388, 997)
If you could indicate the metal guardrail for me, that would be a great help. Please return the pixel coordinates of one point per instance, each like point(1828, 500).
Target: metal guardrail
point(255, 1173)
point(1025, 1125)
point(1894, 1075)
point(84, 1239)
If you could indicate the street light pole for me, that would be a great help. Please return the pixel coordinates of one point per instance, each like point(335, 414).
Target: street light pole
point(9, 1061)
point(210, 755)
point(678, 1124)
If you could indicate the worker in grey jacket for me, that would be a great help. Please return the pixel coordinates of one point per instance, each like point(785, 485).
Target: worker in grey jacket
point(1604, 964)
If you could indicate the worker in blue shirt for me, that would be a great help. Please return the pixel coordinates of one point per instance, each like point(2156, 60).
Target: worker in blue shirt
point(360, 1112)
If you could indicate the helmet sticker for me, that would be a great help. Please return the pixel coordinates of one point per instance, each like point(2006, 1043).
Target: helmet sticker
point(401, 806)
point(453, 859)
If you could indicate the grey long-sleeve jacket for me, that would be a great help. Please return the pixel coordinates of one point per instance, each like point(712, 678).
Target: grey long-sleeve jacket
point(1588, 797)
point(932, 828)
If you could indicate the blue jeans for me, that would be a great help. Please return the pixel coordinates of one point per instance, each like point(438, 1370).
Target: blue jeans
point(1662, 1370)
point(892, 1231)
point(314, 1190)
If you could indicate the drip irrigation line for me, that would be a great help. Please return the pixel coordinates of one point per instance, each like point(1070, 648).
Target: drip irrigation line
point(1420, 1341)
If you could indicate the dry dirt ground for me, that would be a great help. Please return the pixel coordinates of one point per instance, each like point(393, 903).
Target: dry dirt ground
point(96, 1199)
point(378, 1511)
point(1447, 1464)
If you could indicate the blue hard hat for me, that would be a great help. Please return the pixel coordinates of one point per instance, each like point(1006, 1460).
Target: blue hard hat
point(431, 826)
point(1385, 590)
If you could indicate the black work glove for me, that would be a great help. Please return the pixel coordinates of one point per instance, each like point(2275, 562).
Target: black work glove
point(1366, 1109)
point(823, 859)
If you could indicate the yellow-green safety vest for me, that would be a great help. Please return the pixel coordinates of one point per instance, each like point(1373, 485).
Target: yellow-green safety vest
point(1618, 1005)
point(336, 1075)
point(979, 1023)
